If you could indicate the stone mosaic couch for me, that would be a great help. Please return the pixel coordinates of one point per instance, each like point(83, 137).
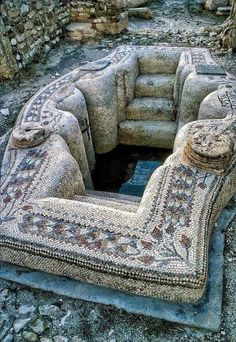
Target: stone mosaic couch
point(157, 245)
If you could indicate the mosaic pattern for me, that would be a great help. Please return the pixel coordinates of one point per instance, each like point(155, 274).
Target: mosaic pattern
point(17, 188)
point(159, 250)
point(160, 245)
point(228, 99)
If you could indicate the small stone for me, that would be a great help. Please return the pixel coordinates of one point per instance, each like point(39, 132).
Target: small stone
point(77, 339)
point(45, 339)
point(110, 332)
point(20, 324)
point(24, 8)
point(213, 34)
point(202, 29)
point(4, 295)
point(30, 336)
point(13, 41)
point(26, 309)
point(60, 338)
point(38, 326)
point(47, 48)
point(39, 5)
point(8, 338)
point(52, 311)
point(29, 25)
point(94, 315)
point(65, 318)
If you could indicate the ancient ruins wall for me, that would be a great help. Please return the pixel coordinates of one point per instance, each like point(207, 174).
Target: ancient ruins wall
point(27, 29)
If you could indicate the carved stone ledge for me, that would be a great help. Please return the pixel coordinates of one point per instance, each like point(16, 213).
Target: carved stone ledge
point(209, 151)
point(29, 135)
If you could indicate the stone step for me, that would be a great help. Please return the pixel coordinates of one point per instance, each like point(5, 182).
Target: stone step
point(160, 134)
point(148, 108)
point(160, 85)
point(114, 196)
point(115, 202)
point(164, 62)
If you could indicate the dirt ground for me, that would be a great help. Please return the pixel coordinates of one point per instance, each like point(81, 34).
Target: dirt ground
point(30, 315)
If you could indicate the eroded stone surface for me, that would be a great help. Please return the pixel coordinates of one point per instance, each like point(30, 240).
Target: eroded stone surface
point(210, 151)
point(29, 135)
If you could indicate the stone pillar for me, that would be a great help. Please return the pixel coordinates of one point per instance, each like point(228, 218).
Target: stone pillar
point(8, 65)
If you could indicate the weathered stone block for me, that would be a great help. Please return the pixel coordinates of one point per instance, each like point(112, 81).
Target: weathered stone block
point(81, 31)
point(113, 27)
point(143, 12)
point(212, 5)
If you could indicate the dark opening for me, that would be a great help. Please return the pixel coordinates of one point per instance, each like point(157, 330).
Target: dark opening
point(114, 169)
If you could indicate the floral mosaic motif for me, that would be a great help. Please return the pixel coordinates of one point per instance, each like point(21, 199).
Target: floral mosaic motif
point(17, 187)
point(83, 236)
point(180, 196)
point(179, 199)
point(92, 238)
point(161, 245)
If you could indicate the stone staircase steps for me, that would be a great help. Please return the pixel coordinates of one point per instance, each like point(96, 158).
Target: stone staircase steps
point(160, 134)
point(160, 85)
point(115, 202)
point(114, 196)
point(148, 108)
point(165, 62)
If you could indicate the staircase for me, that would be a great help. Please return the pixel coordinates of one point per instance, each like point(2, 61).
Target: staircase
point(150, 117)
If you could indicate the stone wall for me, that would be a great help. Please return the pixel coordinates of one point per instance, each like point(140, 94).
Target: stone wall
point(27, 28)
point(84, 11)
point(30, 27)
